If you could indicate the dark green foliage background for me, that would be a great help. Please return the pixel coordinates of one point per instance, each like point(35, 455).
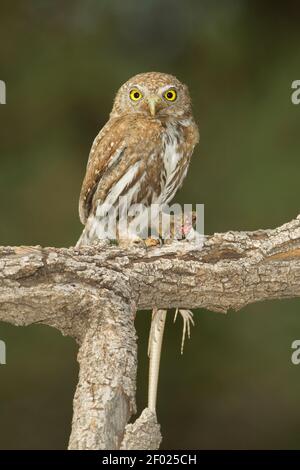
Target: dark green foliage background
point(235, 386)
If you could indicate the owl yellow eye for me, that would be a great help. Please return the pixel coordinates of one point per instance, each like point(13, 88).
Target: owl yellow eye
point(135, 94)
point(170, 95)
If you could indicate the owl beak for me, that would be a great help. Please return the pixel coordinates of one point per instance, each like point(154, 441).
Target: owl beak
point(152, 101)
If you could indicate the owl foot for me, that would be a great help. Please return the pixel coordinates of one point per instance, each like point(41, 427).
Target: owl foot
point(128, 241)
point(187, 317)
point(140, 242)
point(149, 242)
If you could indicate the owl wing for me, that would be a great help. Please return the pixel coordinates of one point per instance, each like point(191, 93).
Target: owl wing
point(104, 152)
point(125, 159)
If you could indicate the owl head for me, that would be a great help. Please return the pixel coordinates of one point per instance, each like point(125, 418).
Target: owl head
point(156, 95)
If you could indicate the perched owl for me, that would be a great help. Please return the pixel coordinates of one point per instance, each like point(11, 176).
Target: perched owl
point(143, 152)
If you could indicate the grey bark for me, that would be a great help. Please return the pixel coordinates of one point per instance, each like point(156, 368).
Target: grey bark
point(92, 294)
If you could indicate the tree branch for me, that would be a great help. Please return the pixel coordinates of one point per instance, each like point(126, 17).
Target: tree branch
point(92, 294)
point(105, 394)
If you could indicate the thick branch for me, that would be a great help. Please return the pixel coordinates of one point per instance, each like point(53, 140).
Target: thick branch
point(91, 294)
point(105, 396)
point(59, 286)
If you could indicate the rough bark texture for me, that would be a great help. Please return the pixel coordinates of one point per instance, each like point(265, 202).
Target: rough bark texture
point(104, 398)
point(92, 294)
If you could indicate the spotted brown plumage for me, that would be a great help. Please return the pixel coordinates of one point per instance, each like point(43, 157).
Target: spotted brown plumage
point(136, 154)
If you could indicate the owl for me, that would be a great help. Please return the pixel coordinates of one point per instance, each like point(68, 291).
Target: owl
point(143, 152)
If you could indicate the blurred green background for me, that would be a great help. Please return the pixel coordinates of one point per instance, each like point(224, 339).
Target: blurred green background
point(235, 386)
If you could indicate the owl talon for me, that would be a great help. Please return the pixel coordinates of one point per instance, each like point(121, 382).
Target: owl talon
point(146, 243)
point(149, 242)
point(129, 242)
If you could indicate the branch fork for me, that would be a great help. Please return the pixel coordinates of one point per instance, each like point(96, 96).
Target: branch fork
point(93, 293)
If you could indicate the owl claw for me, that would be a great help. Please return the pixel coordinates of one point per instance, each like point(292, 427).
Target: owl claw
point(149, 242)
point(124, 242)
point(187, 316)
